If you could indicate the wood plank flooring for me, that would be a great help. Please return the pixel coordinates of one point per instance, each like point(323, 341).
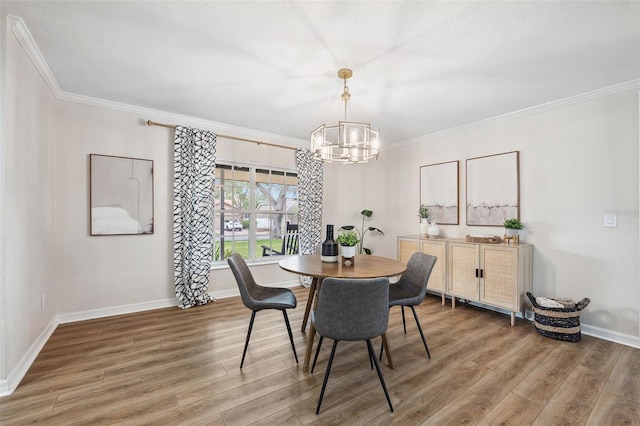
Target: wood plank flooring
point(175, 367)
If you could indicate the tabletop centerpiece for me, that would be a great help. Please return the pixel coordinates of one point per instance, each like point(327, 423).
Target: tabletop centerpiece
point(347, 239)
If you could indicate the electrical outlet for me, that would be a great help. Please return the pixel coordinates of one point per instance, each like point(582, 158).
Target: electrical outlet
point(42, 299)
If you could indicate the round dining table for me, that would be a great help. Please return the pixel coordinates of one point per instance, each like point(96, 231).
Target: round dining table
point(361, 266)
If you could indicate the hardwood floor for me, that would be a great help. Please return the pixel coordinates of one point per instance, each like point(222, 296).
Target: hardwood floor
point(174, 367)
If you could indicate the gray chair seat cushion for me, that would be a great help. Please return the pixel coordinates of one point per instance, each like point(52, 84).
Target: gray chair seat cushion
point(272, 298)
point(404, 295)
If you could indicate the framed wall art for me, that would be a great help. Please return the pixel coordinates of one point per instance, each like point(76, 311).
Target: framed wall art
point(493, 192)
point(121, 195)
point(439, 192)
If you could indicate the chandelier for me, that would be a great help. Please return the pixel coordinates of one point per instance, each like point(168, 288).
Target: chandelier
point(346, 142)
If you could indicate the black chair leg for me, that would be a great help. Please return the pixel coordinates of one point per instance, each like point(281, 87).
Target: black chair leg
point(404, 323)
point(384, 386)
point(315, 358)
point(372, 354)
point(382, 340)
point(246, 342)
point(286, 320)
point(326, 374)
point(420, 330)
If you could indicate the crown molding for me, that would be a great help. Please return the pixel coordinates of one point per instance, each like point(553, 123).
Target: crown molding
point(173, 118)
point(22, 34)
point(20, 30)
point(572, 100)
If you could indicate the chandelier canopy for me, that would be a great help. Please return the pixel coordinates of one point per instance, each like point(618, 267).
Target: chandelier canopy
point(346, 142)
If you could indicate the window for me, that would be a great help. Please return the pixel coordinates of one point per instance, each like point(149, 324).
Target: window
point(252, 207)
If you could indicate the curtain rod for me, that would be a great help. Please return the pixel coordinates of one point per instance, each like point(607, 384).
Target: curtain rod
point(169, 126)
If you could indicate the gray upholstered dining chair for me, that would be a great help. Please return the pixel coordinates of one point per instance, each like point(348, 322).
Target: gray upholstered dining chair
point(257, 298)
point(352, 310)
point(410, 290)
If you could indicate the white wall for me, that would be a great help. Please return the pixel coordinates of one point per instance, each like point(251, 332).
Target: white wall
point(107, 271)
point(28, 145)
point(576, 162)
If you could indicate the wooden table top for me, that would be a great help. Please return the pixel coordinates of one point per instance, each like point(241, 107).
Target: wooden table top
point(364, 266)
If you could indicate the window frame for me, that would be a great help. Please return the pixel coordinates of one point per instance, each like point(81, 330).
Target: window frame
point(252, 212)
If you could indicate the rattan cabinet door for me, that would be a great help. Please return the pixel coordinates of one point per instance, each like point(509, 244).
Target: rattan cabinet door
point(464, 264)
point(499, 282)
point(437, 248)
point(406, 247)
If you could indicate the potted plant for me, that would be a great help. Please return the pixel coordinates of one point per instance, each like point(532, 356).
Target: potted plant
point(348, 238)
point(512, 226)
point(423, 214)
point(363, 232)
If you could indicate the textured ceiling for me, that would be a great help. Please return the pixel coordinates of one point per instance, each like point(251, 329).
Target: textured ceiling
point(419, 67)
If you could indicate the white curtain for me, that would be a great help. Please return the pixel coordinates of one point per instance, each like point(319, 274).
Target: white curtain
point(194, 174)
point(310, 178)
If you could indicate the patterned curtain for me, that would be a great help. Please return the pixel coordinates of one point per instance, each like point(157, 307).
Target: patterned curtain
point(310, 177)
point(194, 167)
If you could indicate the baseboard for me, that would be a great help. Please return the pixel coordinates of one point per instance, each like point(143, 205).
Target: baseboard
point(115, 310)
point(17, 374)
point(8, 386)
point(589, 330)
point(612, 336)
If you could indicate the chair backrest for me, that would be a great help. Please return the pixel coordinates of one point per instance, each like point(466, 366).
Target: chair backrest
point(352, 309)
point(290, 240)
point(246, 284)
point(415, 279)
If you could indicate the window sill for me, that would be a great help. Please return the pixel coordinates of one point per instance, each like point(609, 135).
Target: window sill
point(225, 265)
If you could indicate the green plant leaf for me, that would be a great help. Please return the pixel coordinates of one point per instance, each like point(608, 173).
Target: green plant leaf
point(371, 228)
point(366, 251)
point(366, 213)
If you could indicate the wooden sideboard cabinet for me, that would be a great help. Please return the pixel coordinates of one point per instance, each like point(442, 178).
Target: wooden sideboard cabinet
point(435, 247)
point(496, 275)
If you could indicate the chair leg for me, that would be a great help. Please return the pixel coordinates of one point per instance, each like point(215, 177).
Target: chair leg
point(326, 375)
point(382, 341)
point(384, 386)
point(286, 320)
point(246, 342)
point(315, 358)
point(420, 330)
point(371, 354)
point(404, 323)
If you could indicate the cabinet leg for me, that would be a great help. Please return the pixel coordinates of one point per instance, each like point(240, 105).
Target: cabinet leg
point(453, 302)
point(513, 319)
point(444, 299)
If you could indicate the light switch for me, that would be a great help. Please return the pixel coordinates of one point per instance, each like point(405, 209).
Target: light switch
point(610, 220)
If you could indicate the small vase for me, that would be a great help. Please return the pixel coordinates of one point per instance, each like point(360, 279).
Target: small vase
point(510, 232)
point(348, 251)
point(329, 247)
point(433, 231)
point(424, 225)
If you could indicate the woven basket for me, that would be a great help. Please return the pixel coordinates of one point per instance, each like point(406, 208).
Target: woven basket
point(558, 323)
